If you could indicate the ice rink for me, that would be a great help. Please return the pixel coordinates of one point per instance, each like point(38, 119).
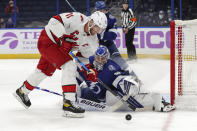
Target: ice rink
point(45, 114)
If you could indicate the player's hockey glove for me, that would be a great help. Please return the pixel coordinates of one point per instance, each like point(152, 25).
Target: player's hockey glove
point(69, 38)
point(92, 75)
point(67, 42)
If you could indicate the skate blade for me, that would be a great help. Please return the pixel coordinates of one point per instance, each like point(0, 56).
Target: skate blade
point(169, 108)
point(19, 99)
point(73, 115)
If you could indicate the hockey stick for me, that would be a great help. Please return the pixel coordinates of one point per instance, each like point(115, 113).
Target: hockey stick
point(45, 90)
point(76, 59)
point(71, 6)
point(123, 99)
point(86, 104)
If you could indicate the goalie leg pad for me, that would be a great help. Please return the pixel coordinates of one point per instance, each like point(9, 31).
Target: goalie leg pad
point(91, 105)
point(131, 101)
point(134, 102)
point(127, 85)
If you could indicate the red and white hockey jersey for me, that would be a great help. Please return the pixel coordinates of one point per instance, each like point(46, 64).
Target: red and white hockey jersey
point(73, 24)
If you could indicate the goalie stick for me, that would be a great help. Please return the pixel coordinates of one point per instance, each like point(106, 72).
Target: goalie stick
point(128, 100)
point(121, 100)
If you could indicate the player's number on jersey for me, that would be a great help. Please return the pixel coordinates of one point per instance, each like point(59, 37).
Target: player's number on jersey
point(69, 15)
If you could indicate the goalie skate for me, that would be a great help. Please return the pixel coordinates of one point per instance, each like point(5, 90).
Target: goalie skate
point(22, 98)
point(164, 106)
point(167, 107)
point(71, 110)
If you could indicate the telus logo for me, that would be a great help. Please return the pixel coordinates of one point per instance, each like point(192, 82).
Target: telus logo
point(9, 38)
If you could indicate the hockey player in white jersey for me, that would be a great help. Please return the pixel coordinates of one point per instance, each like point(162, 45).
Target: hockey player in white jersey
point(63, 33)
point(93, 95)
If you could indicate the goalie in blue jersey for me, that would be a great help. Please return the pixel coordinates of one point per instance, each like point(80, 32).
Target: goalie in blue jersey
point(92, 95)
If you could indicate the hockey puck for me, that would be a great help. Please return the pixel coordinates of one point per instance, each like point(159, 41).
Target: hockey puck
point(128, 117)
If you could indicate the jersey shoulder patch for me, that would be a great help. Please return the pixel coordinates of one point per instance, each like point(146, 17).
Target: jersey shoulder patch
point(112, 66)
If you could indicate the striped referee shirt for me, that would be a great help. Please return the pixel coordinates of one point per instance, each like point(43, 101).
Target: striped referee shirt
point(127, 16)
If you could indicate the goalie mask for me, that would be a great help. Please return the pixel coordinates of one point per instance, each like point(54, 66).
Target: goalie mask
point(100, 58)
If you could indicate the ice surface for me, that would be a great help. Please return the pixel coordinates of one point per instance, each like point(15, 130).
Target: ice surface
point(45, 114)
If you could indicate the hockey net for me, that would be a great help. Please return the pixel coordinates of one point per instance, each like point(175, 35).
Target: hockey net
point(184, 64)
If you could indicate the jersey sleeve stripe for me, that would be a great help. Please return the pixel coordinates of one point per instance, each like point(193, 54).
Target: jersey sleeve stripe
point(57, 40)
point(57, 17)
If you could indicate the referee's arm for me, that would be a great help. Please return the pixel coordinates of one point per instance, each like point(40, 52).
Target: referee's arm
point(132, 20)
point(124, 21)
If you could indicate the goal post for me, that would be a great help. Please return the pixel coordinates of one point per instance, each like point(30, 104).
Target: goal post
point(183, 62)
point(172, 61)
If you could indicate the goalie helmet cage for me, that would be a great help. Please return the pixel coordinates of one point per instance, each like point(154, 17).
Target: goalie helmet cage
point(184, 64)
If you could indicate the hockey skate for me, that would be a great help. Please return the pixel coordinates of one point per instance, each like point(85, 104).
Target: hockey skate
point(22, 97)
point(167, 107)
point(71, 110)
point(164, 106)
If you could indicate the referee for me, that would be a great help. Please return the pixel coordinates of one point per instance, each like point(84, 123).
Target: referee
point(128, 26)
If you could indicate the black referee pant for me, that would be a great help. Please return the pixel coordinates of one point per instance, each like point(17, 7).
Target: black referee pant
point(131, 51)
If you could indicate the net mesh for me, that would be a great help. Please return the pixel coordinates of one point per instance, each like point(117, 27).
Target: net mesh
point(186, 64)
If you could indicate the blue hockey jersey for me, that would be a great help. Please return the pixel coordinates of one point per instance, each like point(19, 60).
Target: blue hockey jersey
point(111, 21)
point(109, 35)
point(95, 91)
